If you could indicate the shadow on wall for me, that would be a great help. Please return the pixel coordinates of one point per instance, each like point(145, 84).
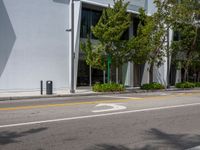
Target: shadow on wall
point(7, 37)
point(62, 1)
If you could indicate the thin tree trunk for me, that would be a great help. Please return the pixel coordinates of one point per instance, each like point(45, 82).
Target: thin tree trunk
point(151, 74)
point(185, 75)
point(117, 74)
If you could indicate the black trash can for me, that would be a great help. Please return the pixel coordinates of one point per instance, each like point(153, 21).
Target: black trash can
point(49, 87)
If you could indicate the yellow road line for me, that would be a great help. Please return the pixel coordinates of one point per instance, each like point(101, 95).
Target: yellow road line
point(96, 102)
point(64, 104)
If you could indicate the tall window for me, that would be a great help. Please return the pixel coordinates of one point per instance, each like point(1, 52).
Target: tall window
point(89, 18)
point(135, 25)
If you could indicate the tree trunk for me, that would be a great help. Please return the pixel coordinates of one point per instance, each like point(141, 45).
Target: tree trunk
point(185, 78)
point(117, 74)
point(151, 73)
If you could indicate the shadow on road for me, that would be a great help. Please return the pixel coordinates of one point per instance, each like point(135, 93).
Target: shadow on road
point(7, 137)
point(177, 141)
point(156, 140)
point(108, 147)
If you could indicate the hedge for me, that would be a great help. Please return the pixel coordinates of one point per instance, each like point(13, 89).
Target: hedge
point(152, 86)
point(184, 85)
point(108, 87)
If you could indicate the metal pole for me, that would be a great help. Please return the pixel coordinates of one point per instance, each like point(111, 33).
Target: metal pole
point(72, 48)
point(109, 62)
point(41, 87)
point(168, 68)
point(104, 76)
point(90, 75)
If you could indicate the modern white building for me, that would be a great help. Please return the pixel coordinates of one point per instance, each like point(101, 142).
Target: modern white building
point(35, 44)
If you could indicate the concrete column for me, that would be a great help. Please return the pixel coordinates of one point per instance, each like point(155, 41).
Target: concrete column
point(77, 26)
point(128, 67)
point(145, 75)
point(127, 74)
point(178, 73)
point(178, 76)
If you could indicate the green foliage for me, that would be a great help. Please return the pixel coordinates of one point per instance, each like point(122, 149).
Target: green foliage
point(112, 24)
point(95, 55)
point(184, 21)
point(152, 86)
point(149, 45)
point(109, 30)
point(108, 87)
point(197, 84)
point(184, 85)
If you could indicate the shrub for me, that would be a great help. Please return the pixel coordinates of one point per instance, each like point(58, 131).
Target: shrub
point(185, 85)
point(152, 86)
point(108, 87)
point(197, 84)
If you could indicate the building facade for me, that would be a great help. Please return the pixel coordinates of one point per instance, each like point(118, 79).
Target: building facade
point(35, 44)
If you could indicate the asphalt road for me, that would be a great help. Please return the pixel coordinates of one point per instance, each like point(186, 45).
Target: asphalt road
point(148, 121)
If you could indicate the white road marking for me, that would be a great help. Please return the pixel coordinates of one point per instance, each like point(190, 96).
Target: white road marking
point(99, 115)
point(194, 148)
point(120, 97)
point(115, 107)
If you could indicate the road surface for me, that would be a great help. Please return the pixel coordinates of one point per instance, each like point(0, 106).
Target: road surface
point(148, 121)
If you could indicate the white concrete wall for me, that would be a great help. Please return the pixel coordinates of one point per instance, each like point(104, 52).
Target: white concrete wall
point(39, 47)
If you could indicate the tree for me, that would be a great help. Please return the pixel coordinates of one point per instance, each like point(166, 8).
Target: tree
point(149, 44)
point(186, 23)
point(109, 30)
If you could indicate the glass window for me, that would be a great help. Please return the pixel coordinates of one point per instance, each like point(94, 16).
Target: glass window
point(85, 23)
point(89, 18)
point(95, 18)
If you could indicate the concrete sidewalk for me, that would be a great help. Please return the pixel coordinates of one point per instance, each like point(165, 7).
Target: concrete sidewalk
point(14, 95)
point(82, 91)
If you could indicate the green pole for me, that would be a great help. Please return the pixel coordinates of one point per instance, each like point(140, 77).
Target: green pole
point(109, 62)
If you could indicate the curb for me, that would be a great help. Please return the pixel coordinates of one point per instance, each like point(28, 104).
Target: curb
point(58, 95)
point(91, 94)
